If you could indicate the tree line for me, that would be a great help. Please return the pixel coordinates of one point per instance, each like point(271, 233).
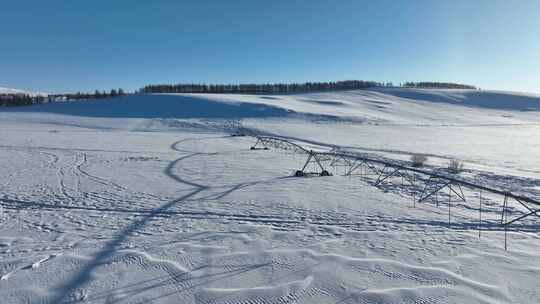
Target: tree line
point(17, 100)
point(86, 96)
point(276, 88)
point(21, 99)
point(439, 85)
point(268, 88)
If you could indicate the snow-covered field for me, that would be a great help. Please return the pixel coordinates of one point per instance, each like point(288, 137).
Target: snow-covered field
point(147, 199)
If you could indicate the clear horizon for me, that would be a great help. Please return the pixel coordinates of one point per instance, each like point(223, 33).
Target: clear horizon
point(64, 46)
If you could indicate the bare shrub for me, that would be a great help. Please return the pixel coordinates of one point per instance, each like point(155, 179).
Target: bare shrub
point(455, 166)
point(418, 160)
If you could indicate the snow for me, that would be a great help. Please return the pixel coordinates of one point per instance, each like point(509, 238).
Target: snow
point(147, 199)
point(16, 91)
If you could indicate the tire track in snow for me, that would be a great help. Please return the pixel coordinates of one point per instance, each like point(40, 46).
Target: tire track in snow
point(110, 249)
point(95, 178)
point(118, 189)
point(63, 174)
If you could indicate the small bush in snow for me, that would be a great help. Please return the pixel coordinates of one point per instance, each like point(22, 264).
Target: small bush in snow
point(418, 160)
point(455, 166)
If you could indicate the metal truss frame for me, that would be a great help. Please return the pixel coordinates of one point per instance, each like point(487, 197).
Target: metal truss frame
point(434, 183)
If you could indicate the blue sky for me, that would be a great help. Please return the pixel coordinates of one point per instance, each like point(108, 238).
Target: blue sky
point(59, 46)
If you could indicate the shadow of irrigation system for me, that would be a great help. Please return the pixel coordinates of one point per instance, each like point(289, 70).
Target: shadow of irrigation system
point(432, 182)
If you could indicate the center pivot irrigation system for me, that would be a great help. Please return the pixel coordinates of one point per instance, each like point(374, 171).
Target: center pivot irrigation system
point(434, 182)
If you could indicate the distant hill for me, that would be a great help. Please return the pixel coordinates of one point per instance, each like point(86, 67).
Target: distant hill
point(394, 105)
point(4, 90)
point(469, 97)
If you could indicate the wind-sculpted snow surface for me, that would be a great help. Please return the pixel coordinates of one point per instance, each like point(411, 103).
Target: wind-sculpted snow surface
point(472, 98)
point(174, 210)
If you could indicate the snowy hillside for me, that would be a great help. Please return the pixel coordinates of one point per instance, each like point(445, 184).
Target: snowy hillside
point(16, 91)
point(472, 98)
point(494, 134)
point(11, 91)
point(148, 199)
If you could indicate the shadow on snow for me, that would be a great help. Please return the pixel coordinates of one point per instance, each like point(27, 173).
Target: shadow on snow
point(155, 106)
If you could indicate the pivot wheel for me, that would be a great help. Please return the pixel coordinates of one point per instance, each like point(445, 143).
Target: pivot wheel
point(325, 173)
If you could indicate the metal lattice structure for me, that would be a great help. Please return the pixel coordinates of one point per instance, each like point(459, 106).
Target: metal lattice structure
point(434, 182)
